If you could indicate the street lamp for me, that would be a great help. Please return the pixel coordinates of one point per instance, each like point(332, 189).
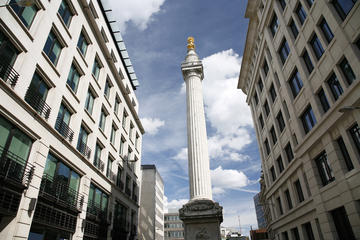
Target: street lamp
point(21, 3)
point(349, 108)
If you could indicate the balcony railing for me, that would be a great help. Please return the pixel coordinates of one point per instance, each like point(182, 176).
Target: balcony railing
point(36, 101)
point(15, 169)
point(96, 211)
point(99, 164)
point(58, 191)
point(7, 73)
point(64, 129)
point(84, 149)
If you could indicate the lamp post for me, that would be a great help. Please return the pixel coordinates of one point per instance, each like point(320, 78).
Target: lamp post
point(349, 108)
point(21, 3)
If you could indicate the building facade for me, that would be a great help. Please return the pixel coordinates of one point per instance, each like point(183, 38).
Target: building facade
point(71, 137)
point(259, 212)
point(173, 226)
point(300, 72)
point(151, 220)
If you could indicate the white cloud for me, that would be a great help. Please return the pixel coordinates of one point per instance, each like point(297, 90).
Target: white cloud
point(174, 204)
point(139, 12)
point(222, 179)
point(152, 125)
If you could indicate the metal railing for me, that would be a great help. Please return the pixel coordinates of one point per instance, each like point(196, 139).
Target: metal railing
point(84, 149)
point(7, 73)
point(95, 209)
point(37, 103)
point(15, 168)
point(64, 129)
point(99, 164)
point(58, 191)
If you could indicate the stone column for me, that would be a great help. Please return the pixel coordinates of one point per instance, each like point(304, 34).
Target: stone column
point(201, 215)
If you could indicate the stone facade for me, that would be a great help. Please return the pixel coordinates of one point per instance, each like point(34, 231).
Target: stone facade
point(151, 219)
point(300, 69)
point(68, 124)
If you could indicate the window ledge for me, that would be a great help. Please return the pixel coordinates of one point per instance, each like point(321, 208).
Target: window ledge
point(107, 100)
point(83, 58)
point(72, 93)
point(50, 63)
point(112, 145)
point(26, 30)
point(89, 115)
point(96, 81)
point(102, 133)
point(64, 25)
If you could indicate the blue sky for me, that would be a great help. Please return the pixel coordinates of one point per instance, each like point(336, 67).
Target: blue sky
point(155, 33)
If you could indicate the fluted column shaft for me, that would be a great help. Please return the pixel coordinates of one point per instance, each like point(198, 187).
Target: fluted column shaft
point(198, 157)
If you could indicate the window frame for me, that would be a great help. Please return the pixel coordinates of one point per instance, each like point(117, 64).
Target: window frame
point(308, 119)
point(316, 46)
point(301, 13)
point(326, 30)
point(295, 82)
point(347, 71)
point(335, 86)
point(323, 100)
point(324, 169)
point(284, 51)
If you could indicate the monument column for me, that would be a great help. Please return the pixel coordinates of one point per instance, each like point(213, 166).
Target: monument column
point(201, 215)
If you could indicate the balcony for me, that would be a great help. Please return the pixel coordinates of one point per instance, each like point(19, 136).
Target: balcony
point(8, 74)
point(95, 230)
point(36, 101)
point(59, 192)
point(84, 149)
point(14, 169)
point(95, 211)
point(64, 129)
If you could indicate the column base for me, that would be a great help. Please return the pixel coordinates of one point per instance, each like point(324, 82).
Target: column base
point(202, 219)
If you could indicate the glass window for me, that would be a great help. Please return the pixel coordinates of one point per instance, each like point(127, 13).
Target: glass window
point(335, 86)
point(308, 119)
point(280, 164)
point(284, 51)
point(308, 63)
point(89, 103)
point(300, 11)
point(65, 12)
point(295, 233)
point(64, 114)
point(279, 206)
point(347, 71)
point(109, 167)
point(261, 120)
point(82, 44)
point(273, 174)
point(326, 30)
point(274, 25)
point(316, 46)
point(38, 90)
point(53, 48)
point(285, 235)
point(97, 200)
point(73, 78)
point(8, 54)
point(295, 83)
point(289, 152)
point(118, 177)
point(267, 146)
point(323, 100)
point(324, 169)
point(131, 131)
point(288, 199)
point(107, 89)
point(102, 120)
point(97, 156)
point(294, 29)
point(124, 119)
point(282, 4)
point(266, 108)
point(82, 141)
point(96, 69)
point(272, 92)
point(280, 121)
point(345, 154)
point(116, 106)
point(137, 141)
point(122, 146)
point(299, 191)
point(308, 231)
point(260, 84)
point(342, 224)
point(26, 14)
point(113, 134)
point(358, 43)
point(310, 2)
point(343, 7)
point(265, 68)
point(256, 99)
point(273, 135)
point(355, 134)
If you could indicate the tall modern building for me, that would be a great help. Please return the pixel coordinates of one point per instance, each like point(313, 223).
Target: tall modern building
point(259, 208)
point(173, 226)
point(70, 135)
point(300, 72)
point(151, 219)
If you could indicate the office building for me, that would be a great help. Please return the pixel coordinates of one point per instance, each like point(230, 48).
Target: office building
point(300, 71)
point(173, 226)
point(70, 133)
point(151, 219)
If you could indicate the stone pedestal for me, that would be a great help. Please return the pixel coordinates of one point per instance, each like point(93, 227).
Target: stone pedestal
point(202, 219)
